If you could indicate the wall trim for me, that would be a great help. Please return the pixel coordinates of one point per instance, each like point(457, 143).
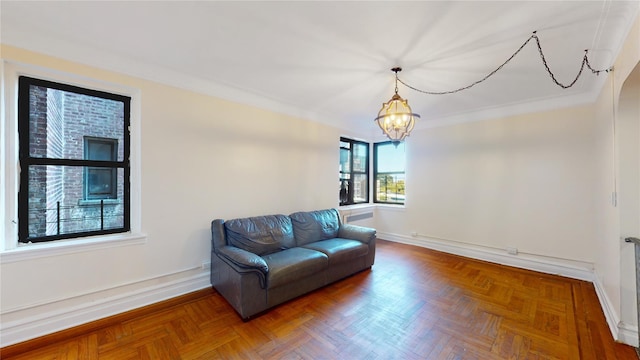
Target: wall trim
point(621, 331)
point(31, 251)
point(569, 268)
point(32, 322)
point(627, 334)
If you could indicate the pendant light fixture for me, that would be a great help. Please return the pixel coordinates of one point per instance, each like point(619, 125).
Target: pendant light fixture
point(395, 118)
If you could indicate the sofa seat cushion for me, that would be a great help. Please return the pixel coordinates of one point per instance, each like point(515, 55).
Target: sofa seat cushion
point(339, 250)
point(293, 264)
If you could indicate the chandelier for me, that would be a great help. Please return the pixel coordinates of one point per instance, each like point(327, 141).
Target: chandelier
point(395, 118)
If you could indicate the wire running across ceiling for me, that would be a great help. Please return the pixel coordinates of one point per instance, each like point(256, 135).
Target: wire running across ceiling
point(534, 36)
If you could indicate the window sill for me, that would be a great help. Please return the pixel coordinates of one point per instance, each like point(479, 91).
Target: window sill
point(63, 247)
point(368, 206)
point(357, 206)
point(391, 207)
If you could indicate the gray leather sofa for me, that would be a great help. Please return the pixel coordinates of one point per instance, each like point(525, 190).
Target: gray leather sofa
point(259, 262)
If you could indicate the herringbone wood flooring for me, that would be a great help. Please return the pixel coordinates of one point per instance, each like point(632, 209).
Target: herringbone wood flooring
point(414, 304)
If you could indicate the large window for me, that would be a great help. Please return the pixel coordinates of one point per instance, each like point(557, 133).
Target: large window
point(354, 172)
point(388, 168)
point(74, 160)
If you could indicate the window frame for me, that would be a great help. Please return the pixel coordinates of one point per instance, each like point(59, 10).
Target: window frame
point(376, 173)
point(352, 173)
point(25, 159)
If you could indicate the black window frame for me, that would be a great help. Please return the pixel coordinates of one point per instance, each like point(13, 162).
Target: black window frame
point(346, 195)
point(376, 173)
point(26, 160)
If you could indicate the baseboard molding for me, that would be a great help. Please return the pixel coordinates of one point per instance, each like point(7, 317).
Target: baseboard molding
point(568, 268)
point(627, 334)
point(32, 322)
point(621, 332)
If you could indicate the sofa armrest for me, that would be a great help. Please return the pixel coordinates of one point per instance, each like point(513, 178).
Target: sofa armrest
point(243, 261)
point(242, 258)
point(355, 232)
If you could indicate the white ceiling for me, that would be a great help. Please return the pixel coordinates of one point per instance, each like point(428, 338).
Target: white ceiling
point(331, 61)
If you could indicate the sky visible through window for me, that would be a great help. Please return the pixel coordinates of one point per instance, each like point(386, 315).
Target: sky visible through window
point(390, 158)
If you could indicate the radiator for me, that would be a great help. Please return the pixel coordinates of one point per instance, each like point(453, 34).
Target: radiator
point(351, 218)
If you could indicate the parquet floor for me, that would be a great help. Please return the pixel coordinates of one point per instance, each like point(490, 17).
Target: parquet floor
point(414, 304)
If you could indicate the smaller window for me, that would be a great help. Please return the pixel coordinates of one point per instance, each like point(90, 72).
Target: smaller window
point(100, 182)
point(354, 172)
point(389, 173)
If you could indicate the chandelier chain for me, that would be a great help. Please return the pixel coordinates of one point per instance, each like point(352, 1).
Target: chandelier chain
point(585, 62)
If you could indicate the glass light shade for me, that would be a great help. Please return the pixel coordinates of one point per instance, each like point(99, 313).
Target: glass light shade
point(396, 119)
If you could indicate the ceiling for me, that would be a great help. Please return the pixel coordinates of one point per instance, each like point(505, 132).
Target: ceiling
point(330, 61)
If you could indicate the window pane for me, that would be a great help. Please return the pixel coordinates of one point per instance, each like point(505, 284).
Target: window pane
point(390, 188)
point(390, 158)
point(56, 204)
point(360, 188)
point(353, 172)
point(344, 191)
point(60, 120)
point(345, 161)
point(360, 156)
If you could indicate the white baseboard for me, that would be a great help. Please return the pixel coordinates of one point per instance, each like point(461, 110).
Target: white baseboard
point(621, 332)
point(569, 268)
point(628, 334)
point(31, 322)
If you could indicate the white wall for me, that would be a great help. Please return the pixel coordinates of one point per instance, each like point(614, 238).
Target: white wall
point(201, 158)
point(524, 182)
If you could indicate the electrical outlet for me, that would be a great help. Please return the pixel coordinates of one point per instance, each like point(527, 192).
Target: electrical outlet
point(512, 251)
point(206, 265)
point(414, 234)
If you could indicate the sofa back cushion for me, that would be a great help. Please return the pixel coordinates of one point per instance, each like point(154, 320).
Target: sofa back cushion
point(261, 235)
point(310, 226)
